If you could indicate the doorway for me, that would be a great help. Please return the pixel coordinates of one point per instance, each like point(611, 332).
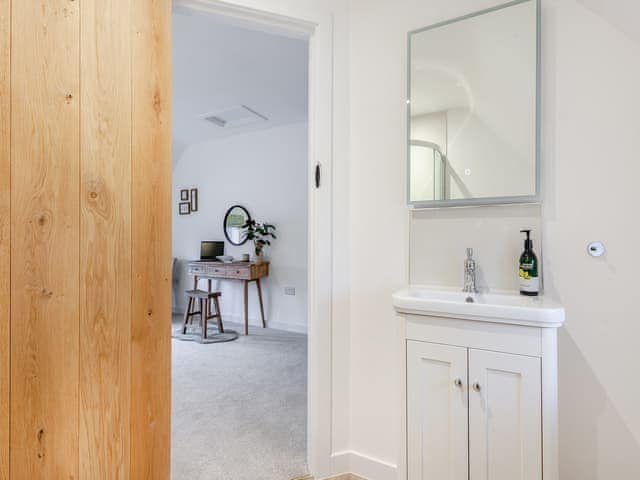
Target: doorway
point(240, 154)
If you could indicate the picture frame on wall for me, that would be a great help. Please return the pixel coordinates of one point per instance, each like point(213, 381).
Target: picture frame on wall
point(184, 208)
point(184, 195)
point(194, 199)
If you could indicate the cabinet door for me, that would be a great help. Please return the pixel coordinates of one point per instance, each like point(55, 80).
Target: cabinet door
point(437, 413)
point(505, 432)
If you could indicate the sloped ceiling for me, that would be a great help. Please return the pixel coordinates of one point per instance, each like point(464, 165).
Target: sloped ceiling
point(218, 66)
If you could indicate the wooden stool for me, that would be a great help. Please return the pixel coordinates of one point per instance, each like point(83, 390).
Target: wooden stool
point(204, 299)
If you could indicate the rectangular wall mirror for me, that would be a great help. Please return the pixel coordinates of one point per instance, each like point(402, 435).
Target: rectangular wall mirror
point(473, 109)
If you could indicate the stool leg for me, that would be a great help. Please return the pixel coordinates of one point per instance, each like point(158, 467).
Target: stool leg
point(186, 315)
point(219, 315)
point(192, 310)
point(203, 316)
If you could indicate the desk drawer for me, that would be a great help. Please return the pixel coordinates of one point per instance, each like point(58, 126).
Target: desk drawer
point(208, 270)
point(238, 272)
point(197, 269)
point(242, 271)
point(221, 270)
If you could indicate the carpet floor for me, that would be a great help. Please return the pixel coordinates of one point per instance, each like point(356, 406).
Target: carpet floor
point(240, 408)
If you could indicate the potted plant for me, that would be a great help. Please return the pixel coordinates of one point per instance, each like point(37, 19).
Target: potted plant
point(259, 233)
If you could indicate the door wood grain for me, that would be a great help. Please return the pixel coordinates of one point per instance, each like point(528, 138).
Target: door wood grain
point(105, 239)
point(45, 118)
point(151, 236)
point(85, 184)
point(5, 232)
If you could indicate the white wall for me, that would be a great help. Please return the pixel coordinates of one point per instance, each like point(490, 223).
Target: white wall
point(266, 172)
point(591, 101)
point(439, 239)
point(590, 74)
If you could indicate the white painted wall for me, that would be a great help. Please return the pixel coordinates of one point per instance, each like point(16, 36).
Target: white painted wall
point(590, 73)
point(591, 100)
point(266, 172)
point(439, 239)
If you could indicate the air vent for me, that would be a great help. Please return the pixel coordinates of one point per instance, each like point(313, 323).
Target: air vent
point(235, 117)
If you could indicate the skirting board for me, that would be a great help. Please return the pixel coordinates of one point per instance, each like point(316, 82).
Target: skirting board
point(363, 467)
point(256, 322)
point(346, 476)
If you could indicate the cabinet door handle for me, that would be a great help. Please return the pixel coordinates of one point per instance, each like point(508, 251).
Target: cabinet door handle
point(457, 382)
point(476, 386)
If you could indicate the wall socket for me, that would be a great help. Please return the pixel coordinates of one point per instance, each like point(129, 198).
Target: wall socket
point(289, 290)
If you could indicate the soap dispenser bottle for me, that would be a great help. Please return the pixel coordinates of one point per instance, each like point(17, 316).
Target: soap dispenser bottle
point(528, 271)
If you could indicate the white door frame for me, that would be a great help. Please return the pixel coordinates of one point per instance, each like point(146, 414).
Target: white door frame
point(298, 21)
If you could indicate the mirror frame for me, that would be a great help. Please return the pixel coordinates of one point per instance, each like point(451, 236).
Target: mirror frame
point(465, 202)
point(224, 224)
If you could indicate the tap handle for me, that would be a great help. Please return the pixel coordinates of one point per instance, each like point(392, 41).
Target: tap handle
point(469, 253)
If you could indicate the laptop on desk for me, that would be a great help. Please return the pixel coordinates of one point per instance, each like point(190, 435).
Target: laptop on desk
point(210, 250)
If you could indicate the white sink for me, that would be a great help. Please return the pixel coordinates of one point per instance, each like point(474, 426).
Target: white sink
point(489, 307)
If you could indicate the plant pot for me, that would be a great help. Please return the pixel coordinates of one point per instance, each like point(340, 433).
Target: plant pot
point(258, 258)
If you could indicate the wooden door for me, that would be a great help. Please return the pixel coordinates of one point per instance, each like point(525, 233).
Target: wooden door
point(5, 233)
point(505, 432)
point(85, 178)
point(437, 413)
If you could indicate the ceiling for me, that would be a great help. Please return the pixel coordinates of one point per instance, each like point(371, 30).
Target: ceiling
point(219, 67)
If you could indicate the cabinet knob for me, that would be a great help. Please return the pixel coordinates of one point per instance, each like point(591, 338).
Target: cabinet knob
point(457, 382)
point(476, 386)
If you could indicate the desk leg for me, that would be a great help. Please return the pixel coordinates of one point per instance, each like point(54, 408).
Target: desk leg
point(195, 282)
point(264, 325)
point(246, 307)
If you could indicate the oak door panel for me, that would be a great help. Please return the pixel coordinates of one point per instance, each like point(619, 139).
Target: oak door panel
point(5, 231)
point(44, 239)
point(151, 236)
point(105, 239)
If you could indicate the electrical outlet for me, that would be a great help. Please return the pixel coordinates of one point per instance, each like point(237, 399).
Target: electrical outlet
point(289, 290)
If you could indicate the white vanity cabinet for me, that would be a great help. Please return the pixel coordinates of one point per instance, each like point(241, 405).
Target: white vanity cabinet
point(505, 416)
point(479, 394)
point(472, 414)
point(438, 411)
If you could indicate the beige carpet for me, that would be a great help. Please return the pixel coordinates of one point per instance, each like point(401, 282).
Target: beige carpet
point(239, 408)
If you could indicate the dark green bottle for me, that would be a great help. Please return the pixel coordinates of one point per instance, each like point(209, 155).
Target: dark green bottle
point(528, 271)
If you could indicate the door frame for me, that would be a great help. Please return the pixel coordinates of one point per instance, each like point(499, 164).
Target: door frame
point(317, 28)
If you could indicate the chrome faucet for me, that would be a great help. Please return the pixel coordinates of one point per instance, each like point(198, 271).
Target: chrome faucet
point(470, 273)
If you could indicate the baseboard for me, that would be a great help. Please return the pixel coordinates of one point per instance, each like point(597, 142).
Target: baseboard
point(346, 476)
point(288, 327)
point(256, 322)
point(364, 467)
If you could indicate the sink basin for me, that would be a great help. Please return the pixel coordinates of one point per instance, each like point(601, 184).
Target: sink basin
point(489, 307)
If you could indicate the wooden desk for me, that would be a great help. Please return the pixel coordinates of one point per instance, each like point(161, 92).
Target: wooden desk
point(243, 271)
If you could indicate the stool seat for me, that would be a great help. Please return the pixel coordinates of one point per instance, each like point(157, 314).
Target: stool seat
point(204, 298)
point(202, 294)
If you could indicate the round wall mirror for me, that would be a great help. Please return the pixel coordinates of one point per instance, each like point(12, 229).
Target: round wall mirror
point(234, 221)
